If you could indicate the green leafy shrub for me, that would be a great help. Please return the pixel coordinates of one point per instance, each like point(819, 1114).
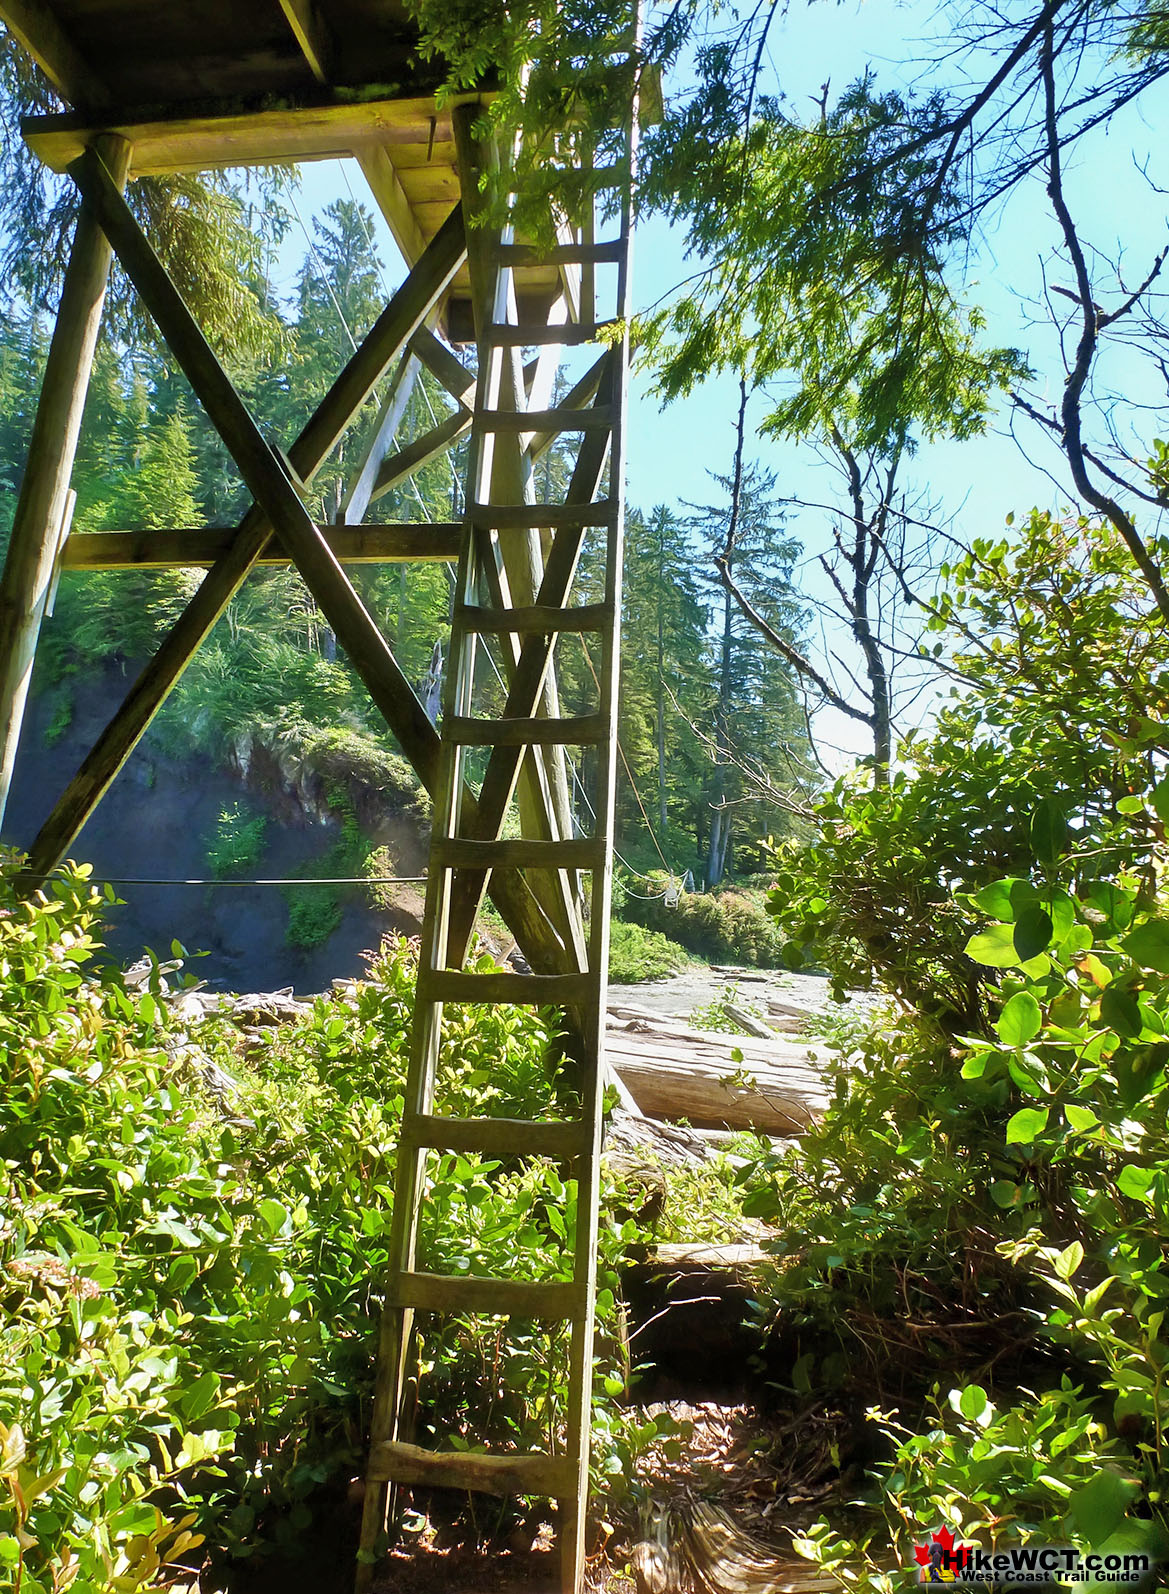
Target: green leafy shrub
point(637, 954)
point(730, 926)
point(236, 843)
point(985, 1207)
point(189, 1247)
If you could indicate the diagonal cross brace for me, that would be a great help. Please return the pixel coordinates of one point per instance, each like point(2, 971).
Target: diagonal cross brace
point(278, 506)
point(405, 313)
point(262, 470)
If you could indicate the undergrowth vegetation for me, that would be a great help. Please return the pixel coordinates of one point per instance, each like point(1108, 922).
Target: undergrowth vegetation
point(189, 1248)
point(977, 1229)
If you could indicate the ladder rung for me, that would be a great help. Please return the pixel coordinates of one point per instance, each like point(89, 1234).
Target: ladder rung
point(444, 1292)
point(459, 852)
point(536, 517)
point(544, 619)
point(534, 1472)
point(599, 254)
point(499, 1137)
point(581, 730)
point(531, 334)
point(597, 417)
point(536, 990)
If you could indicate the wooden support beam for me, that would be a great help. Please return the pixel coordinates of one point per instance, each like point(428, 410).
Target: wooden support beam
point(363, 483)
point(398, 466)
point(402, 317)
point(40, 510)
point(313, 34)
point(262, 470)
point(201, 548)
point(34, 24)
point(277, 506)
point(443, 365)
point(387, 190)
point(245, 138)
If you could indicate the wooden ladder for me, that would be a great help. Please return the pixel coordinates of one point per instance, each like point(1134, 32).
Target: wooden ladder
point(515, 581)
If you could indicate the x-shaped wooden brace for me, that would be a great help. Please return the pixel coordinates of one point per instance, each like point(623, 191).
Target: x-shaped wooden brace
point(277, 507)
point(526, 680)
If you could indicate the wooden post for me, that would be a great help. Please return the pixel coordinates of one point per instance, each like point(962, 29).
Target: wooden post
point(28, 569)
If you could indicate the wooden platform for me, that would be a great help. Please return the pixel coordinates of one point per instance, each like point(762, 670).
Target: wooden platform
point(194, 85)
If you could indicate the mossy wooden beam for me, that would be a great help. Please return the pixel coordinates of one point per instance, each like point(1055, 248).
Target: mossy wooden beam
point(313, 35)
point(195, 548)
point(41, 507)
point(296, 132)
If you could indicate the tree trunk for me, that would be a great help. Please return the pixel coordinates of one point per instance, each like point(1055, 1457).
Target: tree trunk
point(720, 829)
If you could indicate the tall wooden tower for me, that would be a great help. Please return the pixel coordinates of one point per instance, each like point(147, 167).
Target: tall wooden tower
point(205, 84)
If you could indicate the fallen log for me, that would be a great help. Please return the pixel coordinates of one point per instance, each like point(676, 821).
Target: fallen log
point(714, 1081)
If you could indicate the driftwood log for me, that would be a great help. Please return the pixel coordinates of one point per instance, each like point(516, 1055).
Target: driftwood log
point(694, 1547)
point(714, 1081)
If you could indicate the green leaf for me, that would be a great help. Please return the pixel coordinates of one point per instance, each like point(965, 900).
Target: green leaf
point(994, 947)
point(1159, 796)
point(1069, 1260)
point(1002, 899)
point(273, 1214)
point(1049, 830)
point(1119, 1010)
point(1135, 1182)
point(1026, 1124)
point(1033, 932)
point(1081, 1119)
point(1100, 1506)
point(972, 1401)
point(1148, 945)
point(1020, 1020)
point(1131, 805)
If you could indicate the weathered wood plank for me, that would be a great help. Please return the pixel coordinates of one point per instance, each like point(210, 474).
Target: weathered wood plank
point(313, 35)
point(444, 365)
point(197, 548)
point(387, 190)
point(532, 1473)
point(498, 1137)
point(364, 479)
point(404, 462)
point(439, 1292)
point(41, 506)
point(249, 138)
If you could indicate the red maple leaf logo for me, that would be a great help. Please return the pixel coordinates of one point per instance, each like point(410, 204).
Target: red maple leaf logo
point(921, 1552)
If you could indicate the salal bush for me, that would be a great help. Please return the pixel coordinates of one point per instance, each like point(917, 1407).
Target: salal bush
point(190, 1244)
